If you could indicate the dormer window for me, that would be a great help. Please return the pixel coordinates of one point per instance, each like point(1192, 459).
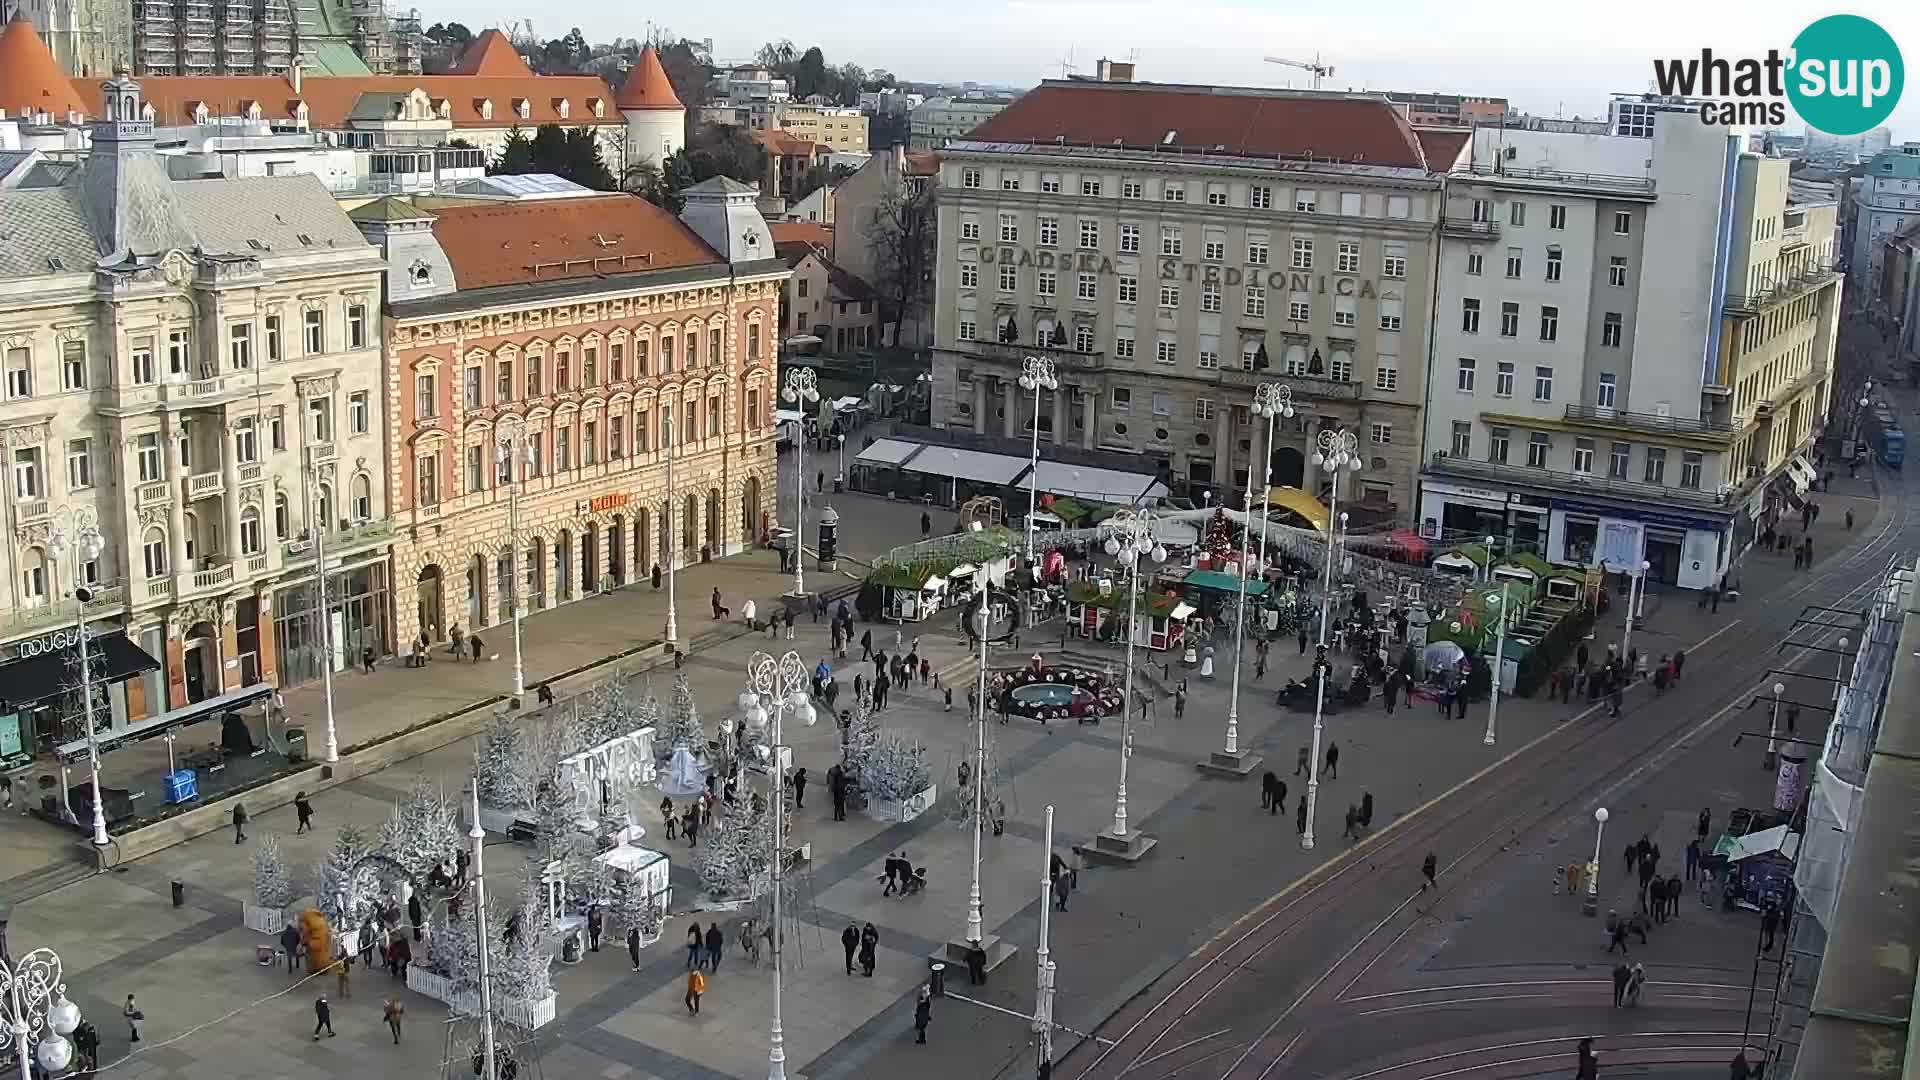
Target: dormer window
point(251, 109)
point(523, 108)
point(146, 112)
point(299, 114)
point(443, 108)
point(598, 105)
point(484, 106)
point(199, 109)
point(563, 107)
point(420, 273)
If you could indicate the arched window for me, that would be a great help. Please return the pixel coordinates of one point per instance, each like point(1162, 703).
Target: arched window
point(282, 516)
point(251, 542)
point(33, 577)
point(362, 497)
point(153, 549)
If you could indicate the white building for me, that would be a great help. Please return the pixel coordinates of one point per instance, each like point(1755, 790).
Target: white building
point(938, 119)
point(1629, 347)
point(1889, 201)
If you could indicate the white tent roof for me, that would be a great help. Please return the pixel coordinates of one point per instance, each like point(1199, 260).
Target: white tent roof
point(788, 416)
point(845, 403)
point(971, 465)
point(1110, 486)
point(888, 452)
point(1760, 843)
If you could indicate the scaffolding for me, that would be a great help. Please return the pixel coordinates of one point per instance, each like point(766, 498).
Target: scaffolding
point(263, 37)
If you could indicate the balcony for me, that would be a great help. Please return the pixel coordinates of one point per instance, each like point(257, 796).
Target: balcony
point(204, 485)
point(28, 511)
point(107, 599)
point(209, 391)
point(1014, 353)
point(1311, 387)
point(1792, 287)
point(340, 541)
point(1443, 464)
point(154, 494)
point(214, 577)
point(1652, 423)
point(160, 589)
point(1470, 230)
point(321, 453)
point(250, 474)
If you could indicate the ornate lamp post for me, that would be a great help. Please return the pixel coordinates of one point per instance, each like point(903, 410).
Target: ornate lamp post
point(1275, 402)
point(1772, 760)
point(504, 442)
point(33, 997)
point(779, 687)
point(77, 531)
point(1036, 374)
point(1591, 905)
point(974, 932)
point(320, 514)
point(1501, 616)
point(801, 389)
point(673, 534)
point(1130, 538)
point(1338, 450)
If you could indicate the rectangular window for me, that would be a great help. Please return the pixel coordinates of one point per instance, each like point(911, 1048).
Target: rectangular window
point(1045, 283)
point(1463, 378)
point(753, 343)
point(640, 433)
point(1121, 400)
point(1216, 194)
point(1174, 191)
point(1009, 181)
point(314, 329)
point(359, 410)
point(536, 365)
point(1556, 216)
point(970, 178)
point(1162, 404)
point(1462, 439)
point(1503, 379)
point(1509, 320)
point(1340, 367)
point(1203, 409)
point(1543, 383)
point(73, 365)
point(1009, 278)
point(1518, 213)
point(19, 373)
point(1049, 231)
point(26, 474)
point(356, 326)
point(1617, 271)
point(1256, 253)
point(1482, 211)
point(1089, 188)
point(1170, 240)
point(1089, 234)
point(140, 363)
point(1299, 307)
point(1604, 397)
point(1169, 296)
point(1618, 460)
point(273, 339)
point(427, 469)
point(1083, 338)
point(1304, 201)
point(1470, 316)
point(503, 390)
point(1538, 446)
point(1476, 261)
point(1393, 262)
point(1132, 189)
point(1391, 312)
point(470, 388)
point(1210, 296)
point(1691, 462)
point(1497, 440)
point(80, 463)
point(1610, 330)
point(1215, 250)
point(1086, 287)
point(1129, 290)
point(1009, 229)
point(277, 431)
point(1123, 348)
point(1514, 262)
point(1383, 434)
point(426, 403)
point(1302, 253)
point(1553, 264)
point(1549, 323)
point(178, 353)
point(1256, 302)
point(1622, 223)
point(616, 437)
point(617, 360)
point(969, 230)
point(1583, 456)
point(1386, 373)
point(1349, 204)
point(1166, 351)
point(1260, 197)
point(967, 330)
point(1049, 183)
point(1347, 258)
point(320, 419)
point(1129, 239)
point(476, 467)
point(146, 455)
point(1656, 471)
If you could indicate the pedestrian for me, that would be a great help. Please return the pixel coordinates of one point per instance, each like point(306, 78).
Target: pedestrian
point(239, 823)
point(393, 1010)
point(366, 659)
point(1062, 885)
point(850, 943)
point(1769, 922)
point(696, 941)
point(303, 808)
point(1693, 859)
point(1616, 934)
point(1266, 791)
point(799, 789)
point(290, 944)
point(1260, 666)
point(690, 825)
point(1849, 520)
point(1333, 759)
point(1613, 701)
point(1675, 889)
point(926, 525)
point(1179, 704)
point(596, 924)
point(866, 646)
point(869, 944)
point(1621, 973)
point(715, 940)
point(1303, 639)
point(976, 964)
point(1300, 765)
point(922, 1014)
point(1300, 816)
point(474, 646)
point(135, 1018)
point(837, 787)
point(322, 1017)
point(1429, 867)
point(1353, 820)
point(342, 973)
point(1793, 718)
point(696, 985)
point(1366, 810)
point(1706, 823)
point(1393, 691)
point(633, 946)
point(672, 819)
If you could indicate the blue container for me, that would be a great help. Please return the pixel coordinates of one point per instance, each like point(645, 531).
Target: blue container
point(181, 786)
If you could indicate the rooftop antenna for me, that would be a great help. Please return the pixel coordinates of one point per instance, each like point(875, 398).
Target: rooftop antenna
point(1066, 63)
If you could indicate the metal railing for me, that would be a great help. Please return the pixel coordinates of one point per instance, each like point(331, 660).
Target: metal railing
point(1655, 422)
point(1485, 230)
point(1798, 283)
point(1309, 386)
point(1014, 352)
point(1640, 184)
point(1588, 483)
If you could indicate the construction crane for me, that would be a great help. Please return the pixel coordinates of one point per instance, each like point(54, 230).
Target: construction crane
point(1319, 70)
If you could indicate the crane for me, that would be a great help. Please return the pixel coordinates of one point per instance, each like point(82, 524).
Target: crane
point(1319, 70)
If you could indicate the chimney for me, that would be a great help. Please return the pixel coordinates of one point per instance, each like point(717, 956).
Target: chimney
point(294, 74)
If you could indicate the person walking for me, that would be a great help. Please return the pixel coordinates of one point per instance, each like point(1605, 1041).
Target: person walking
point(1266, 791)
point(239, 823)
point(475, 647)
point(1621, 973)
point(869, 945)
point(696, 986)
point(1303, 639)
point(690, 825)
point(1300, 817)
point(1300, 764)
point(850, 943)
point(303, 807)
point(135, 1018)
point(633, 946)
point(926, 525)
point(715, 941)
point(799, 789)
point(290, 944)
point(1769, 922)
point(1333, 759)
point(696, 941)
point(392, 1011)
point(1062, 886)
point(596, 924)
point(922, 1014)
point(1429, 867)
point(322, 1017)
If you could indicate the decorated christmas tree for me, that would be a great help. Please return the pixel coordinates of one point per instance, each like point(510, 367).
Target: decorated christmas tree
point(502, 781)
point(895, 770)
point(737, 854)
point(682, 727)
point(862, 734)
point(423, 830)
point(606, 712)
point(272, 885)
point(331, 875)
point(632, 905)
point(529, 941)
point(1218, 541)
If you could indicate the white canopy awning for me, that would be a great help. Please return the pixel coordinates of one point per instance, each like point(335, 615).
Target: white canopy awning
point(1181, 611)
point(845, 403)
point(788, 416)
point(974, 465)
point(888, 452)
point(1111, 486)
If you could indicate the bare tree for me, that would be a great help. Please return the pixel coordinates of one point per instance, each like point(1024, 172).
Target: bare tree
point(901, 240)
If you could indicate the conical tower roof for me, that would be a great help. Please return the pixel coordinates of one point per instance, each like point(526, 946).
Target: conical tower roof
point(30, 78)
point(492, 55)
point(647, 85)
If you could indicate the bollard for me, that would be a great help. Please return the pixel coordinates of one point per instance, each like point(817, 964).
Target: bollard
point(179, 894)
point(937, 979)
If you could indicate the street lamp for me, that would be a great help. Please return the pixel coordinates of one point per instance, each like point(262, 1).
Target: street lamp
point(801, 389)
point(974, 931)
point(1043, 956)
point(1591, 905)
point(1773, 730)
point(319, 515)
point(673, 533)
point(504, 443)
point(1636, 597)
point(1337, 450)
point(1036, 374)
point(1130, 538)
point(33, 997)
point(489, 1068)
point(78, 531)
point(1499, 650)
point(1273, 401)
point(778, 687)
point(840, 477)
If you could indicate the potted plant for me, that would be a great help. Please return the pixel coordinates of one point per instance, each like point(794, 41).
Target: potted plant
point(272, 889)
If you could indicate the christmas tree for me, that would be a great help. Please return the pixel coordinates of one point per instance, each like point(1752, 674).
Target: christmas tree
point(272, 886)
point(895, 770)
point(738, 851)
point(682, 723)
point(1218, 541)
point(423, 830)
point(331, 876)
point(526, 973)
point(858, 740)
point(609, 710)
point(501, 778)
point(632, 905)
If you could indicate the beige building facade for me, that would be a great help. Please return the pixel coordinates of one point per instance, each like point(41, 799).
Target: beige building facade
point(1167, 285)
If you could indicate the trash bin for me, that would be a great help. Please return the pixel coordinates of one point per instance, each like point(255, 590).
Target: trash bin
point(179, 894)
point(296, 744)
point(937, 979)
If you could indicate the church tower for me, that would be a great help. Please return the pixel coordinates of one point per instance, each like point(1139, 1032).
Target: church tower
point(656, 120)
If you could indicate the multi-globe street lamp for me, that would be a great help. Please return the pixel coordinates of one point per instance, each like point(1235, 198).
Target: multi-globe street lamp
point(1130, 538)
point(1338, 451)
point(802, 388)
point(77, 531)
point(1036, 374)
point(777, 688)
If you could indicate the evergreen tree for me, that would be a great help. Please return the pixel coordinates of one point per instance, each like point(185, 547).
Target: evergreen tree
point(857, 743)
point(683, 727)
point(1218, 541)
point(896, 769)
point(737, 854)
point(526, 973)
point(330, 875)
point(516, 155)
point(502, 780)
point(633, 906)
point(272, 885)
point(423, 830)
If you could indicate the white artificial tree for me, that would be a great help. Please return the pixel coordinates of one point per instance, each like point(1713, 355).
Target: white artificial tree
point(859, 740)
point(895, 770)
point(737, 853)
point(502, 779)
point(633, 905)
point(529, 944)
point(272, 884)
point(609, 710)
point(331, 873)
point(682, 722)
point(423, 830)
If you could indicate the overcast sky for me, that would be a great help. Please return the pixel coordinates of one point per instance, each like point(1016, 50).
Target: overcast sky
point(1547, 57)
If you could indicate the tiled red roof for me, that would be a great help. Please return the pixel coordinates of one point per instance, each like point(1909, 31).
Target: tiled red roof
point(30, 78)
point(550, 239)
point(1442, 146)
point(493, 55)
point(785, 143)
point(1251, 123)
point(647, 85)
point(801, 232)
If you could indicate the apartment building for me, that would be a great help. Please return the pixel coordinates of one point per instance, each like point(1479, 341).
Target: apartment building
point(205, 396)
point(839, 130)
point(1449, 110)
point(546, 360)
point(1170, 247)
point(939, 119)
point(1631, 350)
point(1888, 203)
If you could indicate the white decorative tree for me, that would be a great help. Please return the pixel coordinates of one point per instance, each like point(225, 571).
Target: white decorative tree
point(633, 906)
point(682, 722)
point(272, 885)
point(423, 830)
point(859, 740)
point(737, 855)
point(526, 973)
point(895, 769)
point(330, 875)
point(502, 781)
point(607, 711)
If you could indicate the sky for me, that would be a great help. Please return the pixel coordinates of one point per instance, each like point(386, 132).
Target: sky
point(1547, 57)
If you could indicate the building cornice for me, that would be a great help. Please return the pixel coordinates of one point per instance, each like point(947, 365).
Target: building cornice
point(1123, 158)
point(504, 299)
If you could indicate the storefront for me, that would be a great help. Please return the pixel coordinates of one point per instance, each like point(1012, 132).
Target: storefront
point(40, 679)
point(1454, 513)
point(360, 617)
point(1690, 553)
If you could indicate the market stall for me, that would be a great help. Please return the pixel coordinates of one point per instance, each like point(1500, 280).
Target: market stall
point(909, 593)
point(1098, 611)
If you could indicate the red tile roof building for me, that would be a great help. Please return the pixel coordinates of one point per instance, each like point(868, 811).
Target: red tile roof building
point(1170, 247)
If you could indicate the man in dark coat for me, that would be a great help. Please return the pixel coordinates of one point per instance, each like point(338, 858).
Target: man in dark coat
point(850, 941)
